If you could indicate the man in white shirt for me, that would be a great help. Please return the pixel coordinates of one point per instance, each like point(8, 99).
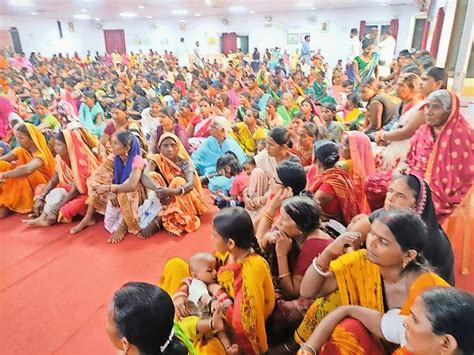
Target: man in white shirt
point(354, 51)
point(198, 61)
point(387, 51)
point(182, 54)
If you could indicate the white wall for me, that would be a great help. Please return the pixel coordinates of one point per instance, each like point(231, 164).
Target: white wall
point(41, 34)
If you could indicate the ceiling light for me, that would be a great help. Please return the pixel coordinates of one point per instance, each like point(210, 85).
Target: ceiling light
point(383, 4)
point(82, 17)
point(197, 15)
point(33, 13)
point(141, 7)
point(149, 17)
point(312, 8)
point(22, 3)
point(128, 14)
point(84, 10)
point(97, 19)
point(252, 12)
point(179, 12)
point(237, 9)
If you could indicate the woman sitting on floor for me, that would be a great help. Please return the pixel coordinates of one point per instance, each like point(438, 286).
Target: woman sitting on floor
point(330, 128)
point(389, 274)
point(168, 125)
point(291, 243)
point(333, 187)
point(172, 177)
point(150, 119)
point(140, 305)
point(43, 119)
point(440, 151)
point(410, 191)
point(305, 137)
point(244, 285)
point(115, 189)
point(23, 169)
point(91, 114)
point(216, 145)
point(65, 195)
point(200, 127)
point(248, 132)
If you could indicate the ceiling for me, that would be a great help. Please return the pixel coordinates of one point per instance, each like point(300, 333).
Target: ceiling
point(111, 9)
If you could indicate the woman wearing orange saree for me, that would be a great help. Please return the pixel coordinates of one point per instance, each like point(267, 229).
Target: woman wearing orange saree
point(173, 181)
point(244, 286)
point(23, 169)
point(358, 161)
point(114, 189)
point(65, 195)
point(333, 187)
point(388, 275)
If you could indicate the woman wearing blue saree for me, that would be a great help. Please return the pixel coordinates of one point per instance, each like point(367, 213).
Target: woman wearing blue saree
point(91, 114)
point(365, 65)
point(215, 146)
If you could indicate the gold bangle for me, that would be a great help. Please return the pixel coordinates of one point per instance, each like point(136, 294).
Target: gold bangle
point(284, 275)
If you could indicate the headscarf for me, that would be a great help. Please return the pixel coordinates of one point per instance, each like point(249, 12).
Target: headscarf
point(5, 109)
point(122, 171)
point(450, 170)
point(40, 142)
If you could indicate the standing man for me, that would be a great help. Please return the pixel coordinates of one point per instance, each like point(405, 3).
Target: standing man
point(387, 50)
point(198, 61)
point(354, 51)
point(306, 51)
point(182, 54)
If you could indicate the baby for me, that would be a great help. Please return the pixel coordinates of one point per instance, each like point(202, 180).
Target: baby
point(202, 267)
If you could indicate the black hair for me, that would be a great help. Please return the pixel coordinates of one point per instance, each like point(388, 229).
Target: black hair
point(235, 223)
point(404, 53)
point(426, 61)
point(206, 99)
point(412, 68)
point(355, 99)
point(60, 137)
point(245, 94)
point(168, 111)
point(231, 161)
point(305, 212)
point(330, 106)
point(125, 137)
point(144, 314)
point(255, 113)
point(250, 161)
point(354, 31)
point(366, 42)
point(311, 128)
point(120, 105)
point(21, 127)
point(90, 94)
point(451, 311)
point(326, 152)
point(410, 232)
point(292, 174)
point(203, 84)
point(438, 74)
point(42, 102)
point(281, 136)
point(347, 83)
point(178, 90)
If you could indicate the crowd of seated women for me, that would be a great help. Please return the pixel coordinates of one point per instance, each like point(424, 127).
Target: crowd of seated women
point(329, 239)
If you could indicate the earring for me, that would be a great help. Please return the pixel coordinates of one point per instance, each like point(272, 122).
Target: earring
point(404, 264)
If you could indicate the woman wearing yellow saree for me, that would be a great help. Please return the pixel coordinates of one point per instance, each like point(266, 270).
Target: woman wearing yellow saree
point(389, 274)
point(65, 195)
point(173, 181)
point(23, 169)
point(244, 285)
point(114, 189)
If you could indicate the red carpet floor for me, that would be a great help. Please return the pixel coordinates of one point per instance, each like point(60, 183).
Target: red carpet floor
point(54, 287)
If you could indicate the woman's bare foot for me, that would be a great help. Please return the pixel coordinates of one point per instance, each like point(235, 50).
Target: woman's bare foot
point(86, 222)
point(41, 221)
point(118, 235)
point(149, 230)
point(232, 350)
point(4, 211)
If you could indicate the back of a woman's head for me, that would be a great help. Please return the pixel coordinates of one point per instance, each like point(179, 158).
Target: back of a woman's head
point(229, 160)
point(304, 211)
point(407, 227)
point(167, 111)
point(281, 136)
point(355, 99)
point(235, 223)
point(451, 311)
point(326, 152)
point(144, 315)
point(125, 137)
point(292, 174)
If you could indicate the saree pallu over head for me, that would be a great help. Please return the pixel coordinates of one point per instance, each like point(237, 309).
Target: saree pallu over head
point(82, 162)
point(349, 198)
point(250, 285)
point(450, 170)
point(40, 142)
point(122, 171)
point(362, 163)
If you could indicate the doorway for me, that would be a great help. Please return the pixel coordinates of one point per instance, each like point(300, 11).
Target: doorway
point(115, 41)
point(418, 33)
point(228, 42)
point(15, 37)
point(243, 43)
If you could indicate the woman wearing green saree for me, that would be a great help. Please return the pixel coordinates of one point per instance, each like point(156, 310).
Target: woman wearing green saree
point(365, 65)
